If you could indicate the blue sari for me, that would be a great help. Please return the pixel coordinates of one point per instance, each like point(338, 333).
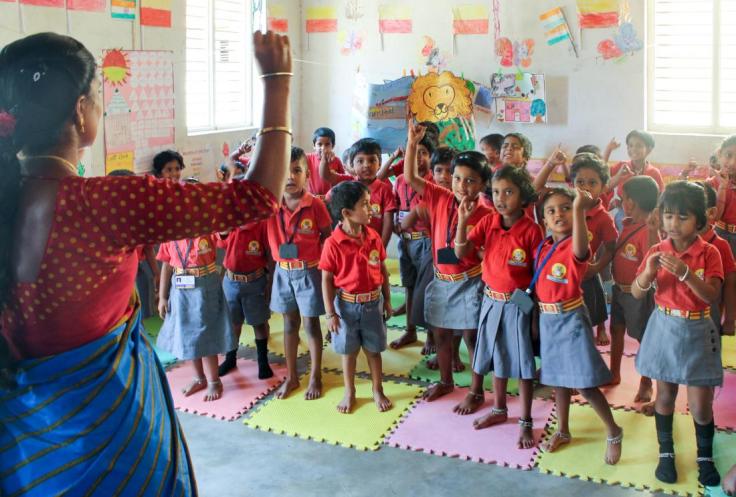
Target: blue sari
point(97, 420)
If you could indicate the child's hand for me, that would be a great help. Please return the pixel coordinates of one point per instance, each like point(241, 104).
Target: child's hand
point(557, 157)
point(653, 221)
point(416, 132)
point(652, 264)
point(583, 200)
point(163, 307)
point(272, 52)
point(388, 311)
point(333, 323)
point(612, 145)
point(673, 265)
point(466, 209)
point(326, 156)
point(399, 152)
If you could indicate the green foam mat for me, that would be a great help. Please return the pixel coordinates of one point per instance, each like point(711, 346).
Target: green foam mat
point(152, 326)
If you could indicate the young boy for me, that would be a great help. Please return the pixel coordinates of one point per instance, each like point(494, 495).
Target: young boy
point(394, 165)
point(365, 159)
point(295, 236)
point(355, 289)
point(323, 140)
point(490, 146)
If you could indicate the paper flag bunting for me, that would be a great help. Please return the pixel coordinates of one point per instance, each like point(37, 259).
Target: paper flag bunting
point(276, 18)
point(470, 19)
point(156, 13)
point(394, 19)
point(122, 9)
point(597, 13)
point(321, 20)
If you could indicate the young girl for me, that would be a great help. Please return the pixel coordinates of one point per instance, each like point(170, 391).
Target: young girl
point(726, 185)
point(504, 332)
point(191, 303)
point(516, 150)
point(569, 357)
point(168, 164)
point(681, 345)
point(355, 289)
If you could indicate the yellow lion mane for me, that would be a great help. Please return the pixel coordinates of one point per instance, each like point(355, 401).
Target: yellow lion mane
point(439, 97)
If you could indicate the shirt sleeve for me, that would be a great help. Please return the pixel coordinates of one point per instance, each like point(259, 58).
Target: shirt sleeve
point(713, 265)
point(163, 253)
point(478, 234)
point(389, 200)
point(327, 259)
point(337, 165)
point(323, 216)
point(608, 230)
point(343, 177)
point(729, 263)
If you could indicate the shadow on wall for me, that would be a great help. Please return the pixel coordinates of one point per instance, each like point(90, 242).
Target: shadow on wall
point(557, 90)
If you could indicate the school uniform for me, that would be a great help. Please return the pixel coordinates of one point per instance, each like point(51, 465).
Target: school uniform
point(316, 185)
point(246, 275)
point(681, 343)
point(726, 225)
point(504, 343)
point(729, 266)
point(382, 199)
point(425, 274)
point(569, 356)
point(197, 323)
point(452, 299)
point(612, 200)
point(601, 230)
point(295, 245)
point(414, 242)
point(356, 266)
point(631, 246)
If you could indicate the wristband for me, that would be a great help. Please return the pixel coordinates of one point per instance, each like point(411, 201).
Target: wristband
point(276, 74)
point(684, 276)
point(460, 244)
point(330, 315)
point(638, 285)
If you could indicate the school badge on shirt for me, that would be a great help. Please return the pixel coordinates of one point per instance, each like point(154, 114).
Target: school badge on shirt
point(558, 273)
point(306, 227)
point(374, 258)
point(629, 252)
point(376, 210)
point(700, 273)
point(518, 258)
point(254, 248)
point(204, 247)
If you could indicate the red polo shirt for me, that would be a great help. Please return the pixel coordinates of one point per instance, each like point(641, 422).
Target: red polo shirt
point(382, 199)
point(200, 251)
point(442, 208)
point(406, 199)
point(302, 227)
point(601, 228)
point(245, 248)
point(702, 258)
point(729, 209)
point(317, 186)
point(628, 258)
point(723, 247)
point(354, 262)
point(649, 170)
point(561, 277)
point(508, 261)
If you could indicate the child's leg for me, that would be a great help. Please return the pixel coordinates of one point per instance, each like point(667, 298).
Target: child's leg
point(498, 413)
point(443, 341)
point(526, 435)
point(562, 408)
point(199, 382)
point(700, 401)
point(601, 335)
point(729, 482)
point(314, 337)
point(410, 335)
point(457, 362)
point(292, 322)
point(262, 332)
point(231, 356)
point(348, 375)
point(429, 347)
point(663, 417)
point(617, 351)
point(376, 366)
point(474, 399)
point(214, 385)
point(470, 337)
point(615, 433)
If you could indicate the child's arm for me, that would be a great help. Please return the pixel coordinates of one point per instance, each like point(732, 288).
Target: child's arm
point(463, 246)
point(410, 219)
point(328, 296)
point(643, 281)
point(706, 290)
point(411, 174)
point(153, 264)
point(385, 171)
point(582, 202)
point(721, 194)
point(612, 145)
point(164, 287)
point(387, 228)
point(540, 182)
point(729, 303)
point(325, 172)
point(616, 178)
point(386, 292)
point(603, 260)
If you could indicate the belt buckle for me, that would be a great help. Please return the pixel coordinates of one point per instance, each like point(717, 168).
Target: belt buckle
point(362, 298)
point(677, 313)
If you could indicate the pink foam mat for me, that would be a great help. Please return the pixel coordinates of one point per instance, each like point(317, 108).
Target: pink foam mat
point(241, 390)
point(433, 428)
point(631, 346)
point(724, 402)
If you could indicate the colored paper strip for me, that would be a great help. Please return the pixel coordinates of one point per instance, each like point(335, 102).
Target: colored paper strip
point(395, 25)
point(122, 9)
point(44, 3)
point(86, 5)
point(599, 20)
point(156, 13)
point(470, 27)
point(315, 13)
point(321, 25)
point(278, 25)
point(597, 6)
point(276, 10)
point(388, 11)
point(476, 11)
point(557, 39)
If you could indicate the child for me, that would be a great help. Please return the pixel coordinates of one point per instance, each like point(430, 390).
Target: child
point(394, 165)
point(516, 150)
point(365, 159)
point(504, 331)
point(452, 298)
point(681, 344)
point(569, 357)
point(726, 184)
point(295, 236)
point(355, 289)
point(168, 164)
point(490, 146)
point(323, 140)
point(193, 308)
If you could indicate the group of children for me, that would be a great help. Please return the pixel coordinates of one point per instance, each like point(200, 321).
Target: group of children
point(488, 255)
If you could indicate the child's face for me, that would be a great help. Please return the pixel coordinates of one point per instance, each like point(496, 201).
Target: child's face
point(558, 214)
point(506, 197)
point(492, 155)
point(366, 166)
point(171, 170)
point(637, 149)
point(512, 151)
point(423, 158)
point(442, 175)
point(466, 183)
point(323, 144)
point(727, 157)
point(627, 204)
point(679, 226)
point(361, 212)
point(297, 178)
point(587, 179)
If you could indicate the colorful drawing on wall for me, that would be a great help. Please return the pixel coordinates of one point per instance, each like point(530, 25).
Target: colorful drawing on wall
point(353, 10)
point(597, 13)
point(122, 9)
point(515, 53)
point(624, 42)
point(138, 103)
point(470, 19)
point(44, 3)
point(350, 42)
point(380, 111)
point(556, 29)
point(394, 18)
point(483, 101)
point(519, 98)
point(86, 5)
point(505, 50)
point(156, 13)
point(439, 97)
point(496, 20)
point(276, 18)
point(434, 60)
point(321, 19)
point(457, 133)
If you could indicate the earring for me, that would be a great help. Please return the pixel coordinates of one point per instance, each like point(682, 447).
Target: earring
point(81, 126)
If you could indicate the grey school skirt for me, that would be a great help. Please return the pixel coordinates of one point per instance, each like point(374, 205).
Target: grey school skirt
point(425, 275)
point(595, 299)
point(453, 305)
point(681, 351)
point(569, 356)
point(198, 322)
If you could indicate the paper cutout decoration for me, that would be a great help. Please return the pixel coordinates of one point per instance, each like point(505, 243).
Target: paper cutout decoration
point(44, 3)
point(457, 133)
point(556, 29)
point(350, 42)
point(483, 101)
point(276, 18)
point(321, 20)
point(353, 10)
point(470, 20)
point(115, 68)
point(381, 111)
point(123, 9)
point(515, 53)
point(439, 97)
point(597, 13)
point(496, 20)
point(624, 42)
point(393, 18)
point(156, 13)
point(505, 50)
point(519, 99)
point(86, 5)
point(435, 61)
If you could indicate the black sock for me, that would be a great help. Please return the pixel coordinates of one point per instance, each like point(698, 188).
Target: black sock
point(707, 472)
point(666, 470)
point(264, 369)
point(229, 363)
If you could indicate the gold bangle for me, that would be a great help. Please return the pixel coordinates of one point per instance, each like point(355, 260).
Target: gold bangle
point(636, 282)
point(276, 74)
point(273, 129)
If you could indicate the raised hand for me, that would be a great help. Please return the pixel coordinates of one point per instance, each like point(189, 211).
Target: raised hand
point(583, 200)
point(673, 264)
point(466, 209)
point(416, 132)
point(653, 264)
point(272, 51)
point(612, 145)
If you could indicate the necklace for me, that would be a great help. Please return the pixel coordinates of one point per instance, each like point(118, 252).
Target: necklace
point(68, 165)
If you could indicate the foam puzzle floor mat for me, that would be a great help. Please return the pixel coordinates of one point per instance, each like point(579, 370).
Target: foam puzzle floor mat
point(319, 419)
point(152, 326)
point(728, 352)
point(631, 346)
point(724, 403)
point(724, 453)
point(394, 276)
point(241, 389)
point(493, 445)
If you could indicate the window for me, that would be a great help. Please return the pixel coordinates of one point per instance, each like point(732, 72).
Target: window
point(219, 67)
point(692, 66)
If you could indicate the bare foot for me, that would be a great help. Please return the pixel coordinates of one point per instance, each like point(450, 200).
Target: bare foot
point(615, 380)
point(613, 447)
point(574, 392)
point(495, 416)
point(347, 403)
point(602, 338)
point(457, 365)
point(645, 393)
point(314, 389)
point(433, 363)
point(409, 337)
point(469, 404)
point(437, 390)
point(401, 310)
point(286, 388)
point(648, 409)
point(214, 391)
point(729, 482)
point(382, 402)
point(526, 435)
point(429, 347)
point(194, 386)
point(554, 442)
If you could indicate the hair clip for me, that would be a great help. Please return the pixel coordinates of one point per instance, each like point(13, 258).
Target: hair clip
point(7, 124)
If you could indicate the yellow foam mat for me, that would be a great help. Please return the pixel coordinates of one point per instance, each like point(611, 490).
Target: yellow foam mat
point(728, 352)
point(276, 339)
point(363, 429)
point(395, 362)
point(394, 276)
point(724, 452)
point(583, 457)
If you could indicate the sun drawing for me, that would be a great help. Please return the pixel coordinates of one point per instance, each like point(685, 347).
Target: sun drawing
point(115, 67)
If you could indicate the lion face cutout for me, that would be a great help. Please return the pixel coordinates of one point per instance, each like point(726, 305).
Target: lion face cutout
point(439, 97)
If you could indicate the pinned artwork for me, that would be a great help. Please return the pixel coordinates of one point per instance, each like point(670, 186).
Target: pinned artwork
point(276, 18)
point(624, 42)
point(597, 13)
point(156, 13)
point(394, 18)
point(440, 97)
point(470, 19)
point(86, 5)
point(435, 61)
point(515, 53)
point(457, 133)
point(381, 111)
point(556, 29)
point(321, 19)
point(123, 9)
point(350, 42)
point(519, 98)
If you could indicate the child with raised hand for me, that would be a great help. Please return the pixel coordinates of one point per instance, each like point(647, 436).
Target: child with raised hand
point(726, 185)
point(681, 345)
point(452, 298)
point(394, 165)
point(504, 344)
point(365, 159)
point(355, 289)
point(490, 146)
point(295, 236)
point(323, 140)
point(569, 357)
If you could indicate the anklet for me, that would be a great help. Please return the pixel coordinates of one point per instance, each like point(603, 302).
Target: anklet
point(664, 455)
point(497, 412)
point(526, 423)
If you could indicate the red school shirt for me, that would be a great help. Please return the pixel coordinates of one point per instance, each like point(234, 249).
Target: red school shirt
point(702, 258)
point(316, 185)
point(563, 273)
point(649, 170)
point(724, 249)
point(601, 228)
point(508, 261)
point(354, 262)
point(193, 252)
point(729, 206)
point(407, 199)
point(382, 199)
point(442, 208)
point(301, 227)
point(628, 258)
point(245, 248)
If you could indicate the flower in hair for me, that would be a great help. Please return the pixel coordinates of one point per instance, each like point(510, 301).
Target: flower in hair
point(7, 124)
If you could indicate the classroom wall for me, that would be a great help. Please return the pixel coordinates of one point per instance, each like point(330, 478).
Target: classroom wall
point(98, 31)
point(589, 100)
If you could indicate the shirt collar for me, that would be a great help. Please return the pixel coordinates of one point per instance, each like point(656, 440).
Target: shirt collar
point(595, 211)
point(693, 250)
